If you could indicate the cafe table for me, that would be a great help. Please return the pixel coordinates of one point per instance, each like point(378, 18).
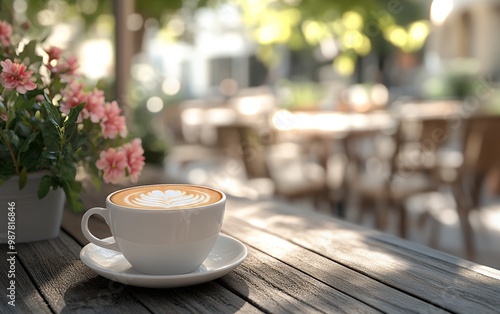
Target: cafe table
point(298, 262)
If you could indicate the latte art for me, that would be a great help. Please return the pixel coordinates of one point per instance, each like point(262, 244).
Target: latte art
point(166, 196)
point(167, 199)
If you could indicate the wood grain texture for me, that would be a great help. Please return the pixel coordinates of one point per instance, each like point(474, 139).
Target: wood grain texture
point(28, 299)
point(441, 256)
point(209, 298)
point(447, 285)
point(67, 284)
point(256, 283)
point(339, 277)
point(280, 288)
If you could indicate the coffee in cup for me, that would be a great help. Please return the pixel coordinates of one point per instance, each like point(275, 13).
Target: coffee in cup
point(162, 229)
point(173, 197)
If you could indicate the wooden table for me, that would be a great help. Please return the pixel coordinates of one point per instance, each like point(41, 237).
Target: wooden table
point(330, 124)
point(298, 262)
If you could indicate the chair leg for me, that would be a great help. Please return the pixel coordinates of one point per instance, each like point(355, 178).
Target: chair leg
point(403, 220)
point(463, 215)
point(381, 214)
point(362, 204)
point(476, 189)
point(340, 208)
point(434, 233)
point(463, 208)
point(316, 199)
point(423, 218)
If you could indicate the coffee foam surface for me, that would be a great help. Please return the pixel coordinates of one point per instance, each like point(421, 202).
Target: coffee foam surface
point(165, 197)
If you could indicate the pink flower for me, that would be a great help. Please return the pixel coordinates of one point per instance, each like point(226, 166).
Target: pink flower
point(73, 95)
point(113, 163)
point(66, 67)
point(15, 76)
point(5, 32)
point(71, 66)
point(54, 53)
point(4, 117)
point(113, 123)
point(39, 98)
point(135, 159)
point(95, 106)
point(26, 25)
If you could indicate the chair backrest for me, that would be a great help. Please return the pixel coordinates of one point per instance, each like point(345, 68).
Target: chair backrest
point(481, 145)
point(429, 133)
point(246, 144)
point(417, 143)
point(434, 133)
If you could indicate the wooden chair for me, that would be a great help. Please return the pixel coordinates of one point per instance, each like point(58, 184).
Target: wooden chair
point(294, 175)
point(481, 155)
point(409, 168)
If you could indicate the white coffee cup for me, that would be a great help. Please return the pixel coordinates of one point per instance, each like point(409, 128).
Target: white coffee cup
point(156, 240)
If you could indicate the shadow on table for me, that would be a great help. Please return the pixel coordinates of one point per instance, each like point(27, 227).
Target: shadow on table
point(110, 296)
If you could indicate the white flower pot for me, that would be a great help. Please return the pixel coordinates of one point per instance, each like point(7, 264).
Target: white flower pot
point(35, 219)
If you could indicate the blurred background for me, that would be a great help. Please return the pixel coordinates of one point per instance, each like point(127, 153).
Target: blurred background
point(383, 113)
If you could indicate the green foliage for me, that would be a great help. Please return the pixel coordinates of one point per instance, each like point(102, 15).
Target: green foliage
point(300, 95)
point(48, 146)
point(459, 80)
point(39, 134)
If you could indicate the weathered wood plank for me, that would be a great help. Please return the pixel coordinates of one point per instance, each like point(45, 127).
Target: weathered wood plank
point(439, 255)
point(445, 284)
point(67, 284)
point(318, 219)
point(277, 287)
point(27, 297)
point(351, 282)
point(205, 298)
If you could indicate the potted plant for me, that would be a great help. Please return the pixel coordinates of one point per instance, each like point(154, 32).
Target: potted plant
point(51, 126)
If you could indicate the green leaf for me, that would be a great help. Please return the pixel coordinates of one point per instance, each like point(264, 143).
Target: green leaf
point(26, 144)
point(11, 116)
point(29, 52)
point(74, 113)
point(23, 103)
point(22, 127)
point(44, 187)
point(67, 170)
point(23, 178)
point(69, 130)
point(72, 189)
point(54, 122)
point(53, 113)
point(7, 167)
point(52, 155)
point(51, 137)
point(32, 159)
point(12, 138)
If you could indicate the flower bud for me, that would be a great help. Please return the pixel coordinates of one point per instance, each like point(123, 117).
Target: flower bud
point(26, 25)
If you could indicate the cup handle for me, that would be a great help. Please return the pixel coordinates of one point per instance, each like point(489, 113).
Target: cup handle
point(104, 213)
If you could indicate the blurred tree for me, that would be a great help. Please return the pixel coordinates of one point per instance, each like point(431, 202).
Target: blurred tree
point(343, 29)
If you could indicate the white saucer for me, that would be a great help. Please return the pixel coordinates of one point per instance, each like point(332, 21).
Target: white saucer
point(226, 255)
